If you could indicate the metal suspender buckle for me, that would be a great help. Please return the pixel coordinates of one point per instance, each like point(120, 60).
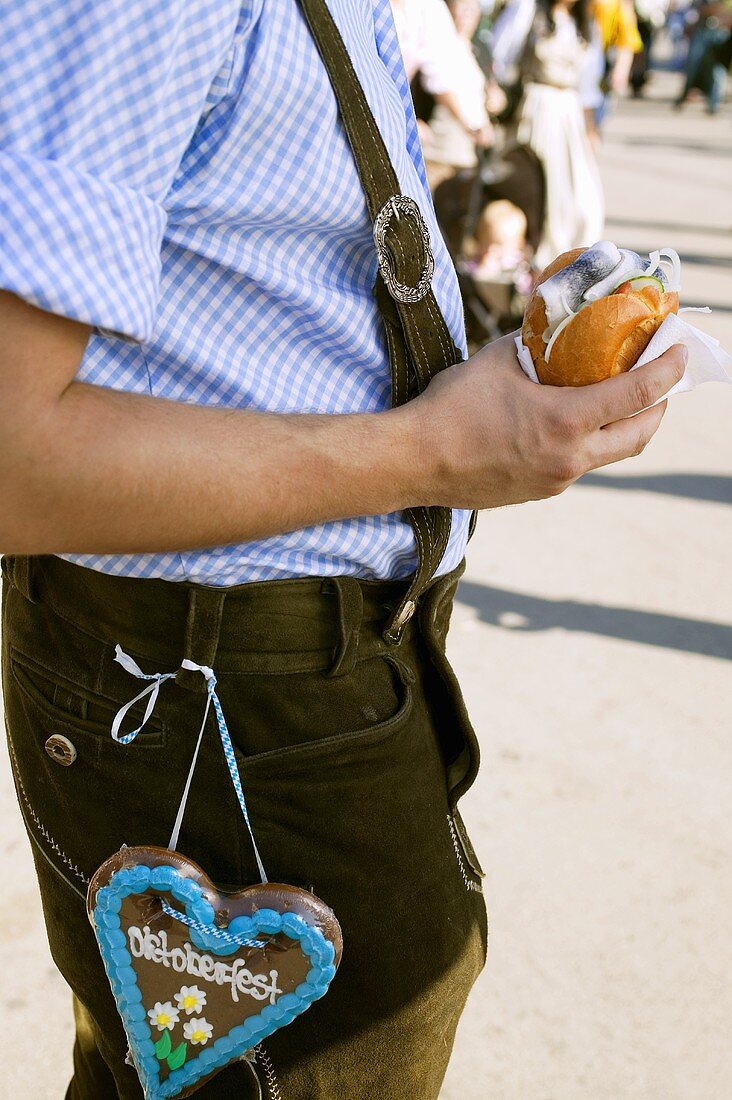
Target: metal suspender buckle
point(395, 207)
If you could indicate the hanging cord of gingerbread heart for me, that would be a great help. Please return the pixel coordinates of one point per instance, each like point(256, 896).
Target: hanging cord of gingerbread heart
point(153, 690)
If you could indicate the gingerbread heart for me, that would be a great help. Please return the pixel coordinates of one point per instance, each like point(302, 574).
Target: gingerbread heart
point(199, 976)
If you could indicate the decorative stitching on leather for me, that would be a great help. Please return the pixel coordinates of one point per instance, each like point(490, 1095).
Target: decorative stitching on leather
point(424, 370)
point(39, 824)
point(412, 592)
point(393, 355)
point(470, 884)
point(440, 327)
point(440, 323)
point(422, 552)
point(273, 1088)
point(419, 254)
point(427, 544)
point(425, 375)
point(443, 332)
point(346, 107)
point(443, 541)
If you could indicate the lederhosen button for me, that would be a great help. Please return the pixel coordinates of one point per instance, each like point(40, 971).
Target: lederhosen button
point(60, 749)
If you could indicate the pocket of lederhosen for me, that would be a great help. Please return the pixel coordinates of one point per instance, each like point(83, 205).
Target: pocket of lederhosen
point(82, 794)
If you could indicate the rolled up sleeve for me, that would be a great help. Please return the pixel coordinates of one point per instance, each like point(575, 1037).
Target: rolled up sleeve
point(80, 246)
point(98, 103)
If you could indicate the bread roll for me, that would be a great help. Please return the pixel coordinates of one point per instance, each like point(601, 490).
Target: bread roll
point(605, 337)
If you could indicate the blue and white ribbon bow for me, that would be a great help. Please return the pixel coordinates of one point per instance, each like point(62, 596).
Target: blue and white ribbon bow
point(153, 690)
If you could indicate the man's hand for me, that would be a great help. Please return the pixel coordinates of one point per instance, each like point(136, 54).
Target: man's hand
point(493, 437)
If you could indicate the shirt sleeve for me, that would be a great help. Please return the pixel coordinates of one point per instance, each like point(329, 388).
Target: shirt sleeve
point(98, 103)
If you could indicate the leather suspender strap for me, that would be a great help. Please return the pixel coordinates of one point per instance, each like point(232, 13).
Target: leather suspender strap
point(419, 341)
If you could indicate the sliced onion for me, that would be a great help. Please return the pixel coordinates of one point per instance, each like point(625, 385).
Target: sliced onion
point(551, 328)
point(654, 259)
point(629, 277)
point(673, 258)
point(560, 328)
point(568, 312)
point(654, 262)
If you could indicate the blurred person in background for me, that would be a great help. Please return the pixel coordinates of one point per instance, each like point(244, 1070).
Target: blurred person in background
point(708, 61)
point(435, 39)
point(591, 93)
point(508, 38)
point(650, 16)
point(621, 40)
point(676, 27)
point(500, 244)
point(550, 121)
point(454, 136)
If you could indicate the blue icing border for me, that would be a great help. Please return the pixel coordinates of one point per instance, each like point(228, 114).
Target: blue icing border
point(123, 980)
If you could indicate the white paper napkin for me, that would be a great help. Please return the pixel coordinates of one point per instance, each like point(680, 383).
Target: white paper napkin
point(708, 361)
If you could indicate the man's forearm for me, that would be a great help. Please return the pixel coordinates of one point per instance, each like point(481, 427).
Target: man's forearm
point(91, 470)
point(110, 472)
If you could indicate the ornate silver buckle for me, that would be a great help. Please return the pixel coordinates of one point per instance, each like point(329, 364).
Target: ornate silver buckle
point(394, 208)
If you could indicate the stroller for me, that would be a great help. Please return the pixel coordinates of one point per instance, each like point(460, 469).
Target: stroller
point(492, 306)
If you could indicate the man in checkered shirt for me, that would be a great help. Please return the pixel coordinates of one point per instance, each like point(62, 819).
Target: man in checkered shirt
point(200, 459)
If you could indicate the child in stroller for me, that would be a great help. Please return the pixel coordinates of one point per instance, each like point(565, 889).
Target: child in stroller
point(492, 218)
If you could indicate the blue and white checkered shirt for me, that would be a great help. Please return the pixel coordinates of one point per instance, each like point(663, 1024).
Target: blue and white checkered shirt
point(175, 174)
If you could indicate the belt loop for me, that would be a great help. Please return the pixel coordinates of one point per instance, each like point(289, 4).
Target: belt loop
point(203, 627)
point(350, 615)
point(18, 568)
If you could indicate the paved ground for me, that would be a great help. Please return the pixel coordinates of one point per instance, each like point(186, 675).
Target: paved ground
point(593, 638)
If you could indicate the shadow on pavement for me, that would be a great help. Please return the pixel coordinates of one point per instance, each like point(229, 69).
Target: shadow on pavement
point(517, 611)
point(705, 260)
point(682, 146)
point(712, 487)
point(670, 227)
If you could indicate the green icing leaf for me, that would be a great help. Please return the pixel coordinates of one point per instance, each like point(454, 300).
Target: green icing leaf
point(178, 1057)
point(162, 1047)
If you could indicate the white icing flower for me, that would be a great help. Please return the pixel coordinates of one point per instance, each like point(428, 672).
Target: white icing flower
point(190, 999)
point(163, 1016)
point(197, 1031)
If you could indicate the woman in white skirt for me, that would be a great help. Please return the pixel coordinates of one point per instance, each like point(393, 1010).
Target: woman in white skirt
point(551, 121)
